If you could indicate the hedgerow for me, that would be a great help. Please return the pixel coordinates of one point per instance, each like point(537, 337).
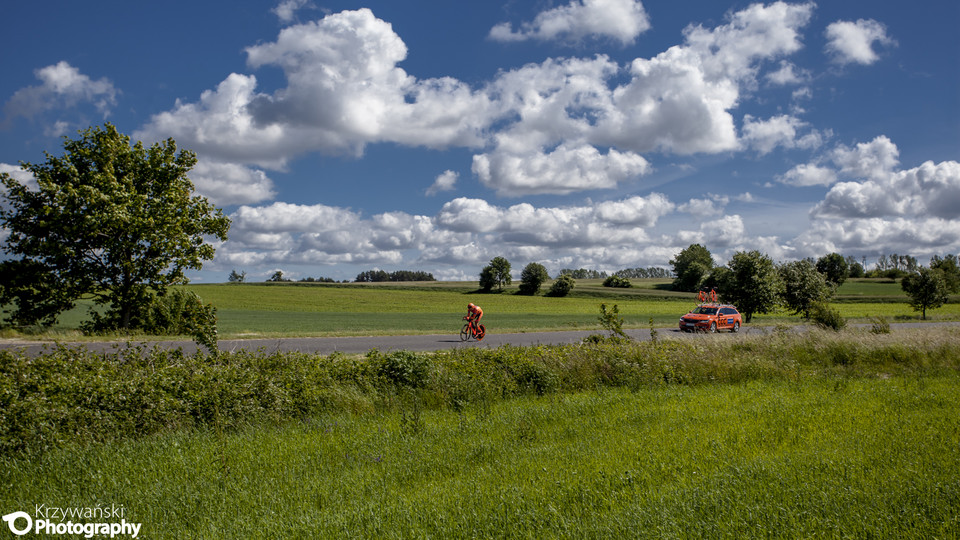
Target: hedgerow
point(74, 396)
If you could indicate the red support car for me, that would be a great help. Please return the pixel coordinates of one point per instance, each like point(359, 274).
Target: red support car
point(710, 318)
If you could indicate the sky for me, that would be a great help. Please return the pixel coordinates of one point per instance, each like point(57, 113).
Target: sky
point(429, 135)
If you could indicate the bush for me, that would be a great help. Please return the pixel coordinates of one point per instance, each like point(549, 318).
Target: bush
point(176, 313)
point(879, 325)
point(562, 286)
point(617, 281)
point(827, 318)
point(533, 275)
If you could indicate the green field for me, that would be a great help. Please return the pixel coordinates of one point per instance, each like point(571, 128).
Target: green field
point(818, 436)
point(321, 309)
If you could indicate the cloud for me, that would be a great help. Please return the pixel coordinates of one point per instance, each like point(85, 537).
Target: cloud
point(707, 207)
point(873, 206)
point(788, 74)
point(932, 189)
point(19, 174)
point(61, 86)
point(230, 183)
point(852, 42)
point(446, 181)
point(919, 236)
point(557, 127)
point(765, 135)
point(808, 174)
point(344, 91)
point(286, 10)
point(620, 20)
point(874, 159)
point(564, 170)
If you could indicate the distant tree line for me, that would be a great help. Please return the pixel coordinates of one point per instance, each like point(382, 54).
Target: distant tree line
point(628, 273)
point(755, 284)
point(373, 276)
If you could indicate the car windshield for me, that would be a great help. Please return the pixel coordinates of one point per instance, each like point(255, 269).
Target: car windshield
point(704, 310)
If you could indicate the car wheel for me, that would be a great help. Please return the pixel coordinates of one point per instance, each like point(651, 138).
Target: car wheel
point(736, 327)
point(713, 327)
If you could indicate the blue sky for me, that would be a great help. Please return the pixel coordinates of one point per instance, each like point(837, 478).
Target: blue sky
point(429, 135)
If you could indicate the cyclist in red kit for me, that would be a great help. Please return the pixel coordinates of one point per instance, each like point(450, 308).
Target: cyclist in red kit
point(474, 313)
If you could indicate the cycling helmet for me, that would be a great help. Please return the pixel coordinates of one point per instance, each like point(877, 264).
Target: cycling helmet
point(470, 306)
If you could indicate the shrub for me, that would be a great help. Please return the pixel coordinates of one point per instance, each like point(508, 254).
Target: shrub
point(879, 325)
point(617, 281)
point(562, 286)
point(402, 368)
point(533, 275)
point(612, 321)
point(827, 318)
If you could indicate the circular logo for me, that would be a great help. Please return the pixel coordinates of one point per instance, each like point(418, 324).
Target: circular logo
point(12, 518)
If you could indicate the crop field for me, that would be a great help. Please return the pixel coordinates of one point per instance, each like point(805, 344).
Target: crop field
point(322, 309)
point(408, 308)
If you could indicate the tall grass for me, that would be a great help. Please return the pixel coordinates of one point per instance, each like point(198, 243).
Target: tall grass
point(814, 457)
point(73, 395)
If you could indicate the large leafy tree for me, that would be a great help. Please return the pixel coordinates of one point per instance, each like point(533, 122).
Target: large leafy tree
point(750, 282)
point(497, 273)
point(691, 267)
point(833, 267)
point(106, 219)
point(803, 286)
point(927, 289)
point(532, 277)
point(950, 266)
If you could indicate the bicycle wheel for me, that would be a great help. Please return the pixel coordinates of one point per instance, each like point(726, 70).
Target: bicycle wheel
point(481, 331)
point(465, 332)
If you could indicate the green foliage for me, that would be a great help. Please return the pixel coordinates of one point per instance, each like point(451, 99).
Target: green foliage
point(834, 268)
point(31, 295)
point(377, 276)
point(107, 219)
point(691, 266)
point(532, 277)
point(927, 289)
point(950, 266)
point(70, 395)
point(277, 277)
point(827, 317)
point(562, 286)
point(879, 325)
point(803, 286)
point(235, 277)
point(751, 282)
point(618, 282)
point(612, 321)
point(497, 273)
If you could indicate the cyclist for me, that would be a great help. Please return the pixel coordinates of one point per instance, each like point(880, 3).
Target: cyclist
point(474, 314)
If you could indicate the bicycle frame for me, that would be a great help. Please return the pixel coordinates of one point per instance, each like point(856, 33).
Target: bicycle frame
point(472, 330)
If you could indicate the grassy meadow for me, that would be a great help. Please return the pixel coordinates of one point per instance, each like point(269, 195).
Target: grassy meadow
point(782, 435)
point(821, 435)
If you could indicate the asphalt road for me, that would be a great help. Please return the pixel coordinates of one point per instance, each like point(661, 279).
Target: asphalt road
point(430, 342)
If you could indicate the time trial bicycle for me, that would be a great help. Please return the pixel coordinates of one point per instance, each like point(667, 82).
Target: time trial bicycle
point(472, 330)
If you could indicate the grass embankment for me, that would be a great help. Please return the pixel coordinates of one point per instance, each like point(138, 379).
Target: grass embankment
point(822, 435)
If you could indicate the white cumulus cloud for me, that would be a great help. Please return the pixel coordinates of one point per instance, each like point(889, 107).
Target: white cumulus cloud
point(620, 20)
point(853, 42)
point(61, 86)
